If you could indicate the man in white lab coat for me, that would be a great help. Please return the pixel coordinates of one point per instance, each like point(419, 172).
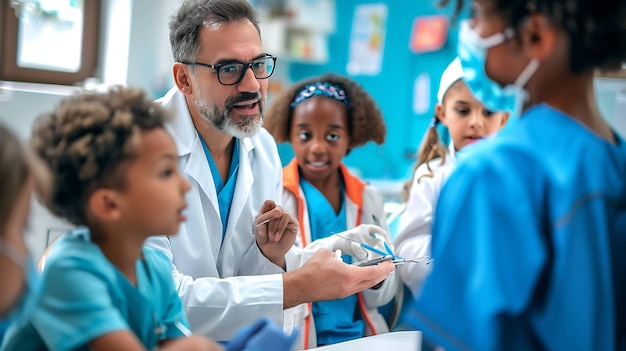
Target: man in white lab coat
point(228, 264)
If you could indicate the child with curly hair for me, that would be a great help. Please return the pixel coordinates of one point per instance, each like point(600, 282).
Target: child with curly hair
point(530, 254)
point(21, 175)
point(324, 118)
point(115, 175)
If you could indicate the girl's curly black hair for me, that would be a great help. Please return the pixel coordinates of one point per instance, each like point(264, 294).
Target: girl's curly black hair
point(87, 141)
point(596, 28)
point(365, 119)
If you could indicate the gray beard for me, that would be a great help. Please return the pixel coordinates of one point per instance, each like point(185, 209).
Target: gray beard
point(220, 119)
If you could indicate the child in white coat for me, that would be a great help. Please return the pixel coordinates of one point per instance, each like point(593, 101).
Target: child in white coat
point(468, 121)
point(324, 118)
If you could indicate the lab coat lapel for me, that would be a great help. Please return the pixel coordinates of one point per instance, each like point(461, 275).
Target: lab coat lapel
point(239, 235)
point(198, 169)
point(193, 162)
point(354, 189)
point(244, 182)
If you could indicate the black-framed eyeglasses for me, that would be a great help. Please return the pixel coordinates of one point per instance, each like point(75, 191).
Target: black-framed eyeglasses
point(232, 73)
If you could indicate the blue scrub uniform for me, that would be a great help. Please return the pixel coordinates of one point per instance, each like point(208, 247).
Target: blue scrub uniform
point(225, 192)
point(85, 297)
point(335, 320)
point(529, 243)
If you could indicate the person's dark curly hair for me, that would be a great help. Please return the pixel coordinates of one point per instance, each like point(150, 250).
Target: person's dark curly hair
point(596, 28)
point(365, 120)
point(87, 142)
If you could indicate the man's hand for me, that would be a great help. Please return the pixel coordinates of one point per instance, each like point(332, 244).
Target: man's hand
point(275, 231)
point(323, 277)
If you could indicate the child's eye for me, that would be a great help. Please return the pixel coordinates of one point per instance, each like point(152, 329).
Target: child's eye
point(332, 137)
point(487, 113)
point(304, 136)
point(167, 173)
point(462, 111)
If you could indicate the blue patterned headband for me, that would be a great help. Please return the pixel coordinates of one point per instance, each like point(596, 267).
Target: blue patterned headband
point(325, 89)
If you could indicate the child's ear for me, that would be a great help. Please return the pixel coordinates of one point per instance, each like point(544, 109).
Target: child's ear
point(539, 36)
point(104, 204)
point(440, 113)
point(182, 78)
point(505, 118)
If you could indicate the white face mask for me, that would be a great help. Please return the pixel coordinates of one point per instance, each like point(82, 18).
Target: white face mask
point(23, 307)
point(473, 55)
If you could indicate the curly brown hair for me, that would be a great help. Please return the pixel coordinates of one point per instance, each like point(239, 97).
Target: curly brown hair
point(88, 140)
point(365, 120)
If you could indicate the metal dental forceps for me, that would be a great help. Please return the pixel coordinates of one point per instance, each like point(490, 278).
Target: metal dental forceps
point(384, 256)
point(396, 261)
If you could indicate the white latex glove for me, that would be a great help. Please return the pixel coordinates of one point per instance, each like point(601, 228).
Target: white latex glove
point(370, 234)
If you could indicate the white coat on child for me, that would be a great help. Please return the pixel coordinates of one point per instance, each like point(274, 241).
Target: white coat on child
point(467, 121)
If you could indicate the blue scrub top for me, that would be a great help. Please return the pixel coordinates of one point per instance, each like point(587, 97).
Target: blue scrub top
point(85, 297)
point(4, 325)
point(335, 320)
point(529, 243)
point(226, 191)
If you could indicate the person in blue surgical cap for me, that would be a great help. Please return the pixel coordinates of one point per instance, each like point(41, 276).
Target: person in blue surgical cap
point(530, 238)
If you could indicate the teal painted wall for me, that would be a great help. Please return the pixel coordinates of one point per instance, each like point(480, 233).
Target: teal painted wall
point(392, 88)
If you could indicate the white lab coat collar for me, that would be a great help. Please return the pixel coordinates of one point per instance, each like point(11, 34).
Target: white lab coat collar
point(188, 144)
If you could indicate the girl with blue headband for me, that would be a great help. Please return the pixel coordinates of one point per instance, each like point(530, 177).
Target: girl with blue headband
point(324, 118)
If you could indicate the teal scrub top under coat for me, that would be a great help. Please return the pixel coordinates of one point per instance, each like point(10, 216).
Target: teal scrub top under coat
point(530, 241)
point(226, 191)
point(336, 320)
point(85, 296)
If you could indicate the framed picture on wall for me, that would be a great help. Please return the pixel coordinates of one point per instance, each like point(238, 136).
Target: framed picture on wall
point(428, 33)
point(52, 42)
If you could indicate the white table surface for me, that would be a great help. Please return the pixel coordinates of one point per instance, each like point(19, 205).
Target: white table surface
point(404, 340)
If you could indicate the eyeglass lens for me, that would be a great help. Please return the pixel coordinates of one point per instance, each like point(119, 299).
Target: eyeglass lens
point(232, 73)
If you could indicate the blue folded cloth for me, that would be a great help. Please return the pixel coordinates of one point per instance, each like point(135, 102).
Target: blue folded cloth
point(262, 335)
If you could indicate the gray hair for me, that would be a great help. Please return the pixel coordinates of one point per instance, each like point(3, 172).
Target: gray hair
point(185, 24)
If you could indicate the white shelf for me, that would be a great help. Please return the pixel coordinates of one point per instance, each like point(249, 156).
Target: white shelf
point(300, 33)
